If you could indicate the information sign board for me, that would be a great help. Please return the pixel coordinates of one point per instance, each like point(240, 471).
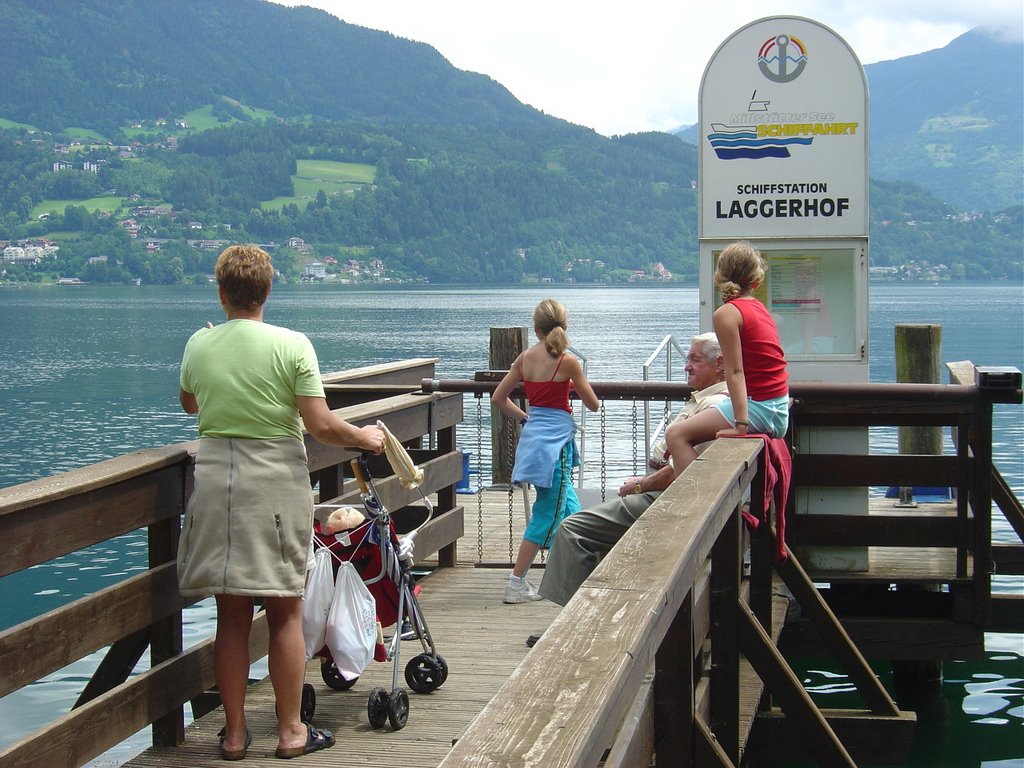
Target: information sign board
point(783, 134)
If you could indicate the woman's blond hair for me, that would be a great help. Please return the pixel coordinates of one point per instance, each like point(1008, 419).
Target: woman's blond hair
point(739, 268)
point(245, 273)
point(549, 319)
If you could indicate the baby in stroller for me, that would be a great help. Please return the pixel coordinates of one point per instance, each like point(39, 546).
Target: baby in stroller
point(383, 560)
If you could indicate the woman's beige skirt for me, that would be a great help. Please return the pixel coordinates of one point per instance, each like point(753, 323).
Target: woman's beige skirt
point(248, 524)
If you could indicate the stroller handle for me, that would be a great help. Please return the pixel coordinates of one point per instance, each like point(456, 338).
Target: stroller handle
point(358, 472)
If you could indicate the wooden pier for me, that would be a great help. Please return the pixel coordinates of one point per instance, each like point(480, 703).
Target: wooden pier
point(483, 641)
point(623, 674)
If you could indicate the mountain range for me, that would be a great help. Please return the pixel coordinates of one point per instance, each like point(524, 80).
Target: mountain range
point(105, 62)
point(466, 175)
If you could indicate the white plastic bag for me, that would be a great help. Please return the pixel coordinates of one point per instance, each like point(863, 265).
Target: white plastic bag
point(351, 623)
point(316, 602)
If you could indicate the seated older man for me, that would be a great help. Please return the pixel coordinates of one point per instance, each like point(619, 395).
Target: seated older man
point(583, 539)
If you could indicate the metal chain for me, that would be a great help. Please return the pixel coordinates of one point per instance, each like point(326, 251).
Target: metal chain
point(479, 477)
point(510, 428)
point(604, 462)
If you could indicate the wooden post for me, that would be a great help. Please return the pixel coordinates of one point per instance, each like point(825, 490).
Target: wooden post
point(166, 634)
point(918, 349)
point(506, 345)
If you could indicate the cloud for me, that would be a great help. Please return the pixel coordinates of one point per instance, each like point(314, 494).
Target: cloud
point(637, 66)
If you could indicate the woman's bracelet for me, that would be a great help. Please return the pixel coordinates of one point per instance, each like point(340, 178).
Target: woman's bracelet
point(741, 421)
point(522, 421)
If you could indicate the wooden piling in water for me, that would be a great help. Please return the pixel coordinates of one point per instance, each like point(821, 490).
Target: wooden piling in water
point(918, 348)
point(506, 345)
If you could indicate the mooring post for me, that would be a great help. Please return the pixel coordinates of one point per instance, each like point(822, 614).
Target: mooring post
point(506, 345)
point(918, 353)
point(918, 348)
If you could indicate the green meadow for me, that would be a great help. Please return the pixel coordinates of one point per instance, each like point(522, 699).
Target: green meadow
point(311, 176)
point(329, 175)
point(86, 133)
point(199, 120)
point(6, 124)
point(106, 204)
point(203, 119)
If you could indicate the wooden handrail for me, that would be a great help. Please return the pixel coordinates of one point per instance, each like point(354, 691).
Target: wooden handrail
point(589, 667)
point(54, 516)
point(614, 623)
point(854, 396)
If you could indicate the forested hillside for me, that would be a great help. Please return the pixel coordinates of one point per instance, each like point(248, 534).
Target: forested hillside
point(352, 155)
point(951, 121)
point(445, 204)
point(103, 63)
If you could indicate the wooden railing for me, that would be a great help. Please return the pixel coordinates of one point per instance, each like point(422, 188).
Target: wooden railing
point(672, 589)
point(960, 601)
point(672, 586)
point(51, 517)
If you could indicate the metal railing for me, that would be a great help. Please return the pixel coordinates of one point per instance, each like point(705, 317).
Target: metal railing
point(667, 346)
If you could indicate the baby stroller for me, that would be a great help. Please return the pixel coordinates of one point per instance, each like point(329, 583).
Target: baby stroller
point(383, 561)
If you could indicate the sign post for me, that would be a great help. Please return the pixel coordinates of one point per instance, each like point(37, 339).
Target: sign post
point(783, 163)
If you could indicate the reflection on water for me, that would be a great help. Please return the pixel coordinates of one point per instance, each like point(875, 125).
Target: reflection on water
point(976, 703)
point(92, 374)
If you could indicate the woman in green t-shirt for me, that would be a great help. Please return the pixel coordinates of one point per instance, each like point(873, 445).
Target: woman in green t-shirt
point(248, 525)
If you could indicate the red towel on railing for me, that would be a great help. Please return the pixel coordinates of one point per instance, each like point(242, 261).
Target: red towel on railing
point(778, 470)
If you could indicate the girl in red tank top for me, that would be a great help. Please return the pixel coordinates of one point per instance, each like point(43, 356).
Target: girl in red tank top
point(755, 366)
point(547, 452)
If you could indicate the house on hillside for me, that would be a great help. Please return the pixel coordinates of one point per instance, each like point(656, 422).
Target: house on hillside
point(29, 255)
point(660, 272)
point(315, 271)
point(131, 226)
point(299, 245)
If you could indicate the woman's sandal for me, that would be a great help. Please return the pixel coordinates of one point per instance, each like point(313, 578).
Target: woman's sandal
point(234, 754)
point(316, 739)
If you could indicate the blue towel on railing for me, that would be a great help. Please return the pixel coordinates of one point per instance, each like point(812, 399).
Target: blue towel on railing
point(546, 432)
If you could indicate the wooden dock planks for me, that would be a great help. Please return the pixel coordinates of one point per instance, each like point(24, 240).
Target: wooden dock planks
point(482, 641)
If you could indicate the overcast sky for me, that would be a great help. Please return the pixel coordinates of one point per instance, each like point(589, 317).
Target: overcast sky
point(636, 65)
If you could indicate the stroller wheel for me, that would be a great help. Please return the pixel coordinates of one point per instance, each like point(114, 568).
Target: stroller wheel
point(444, 669)
point(398, 710)
point(308, 706)
point(426, 673)
point(334, 679)
point(377, 707)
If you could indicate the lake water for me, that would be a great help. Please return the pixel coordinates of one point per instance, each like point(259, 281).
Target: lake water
point(88, 373)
